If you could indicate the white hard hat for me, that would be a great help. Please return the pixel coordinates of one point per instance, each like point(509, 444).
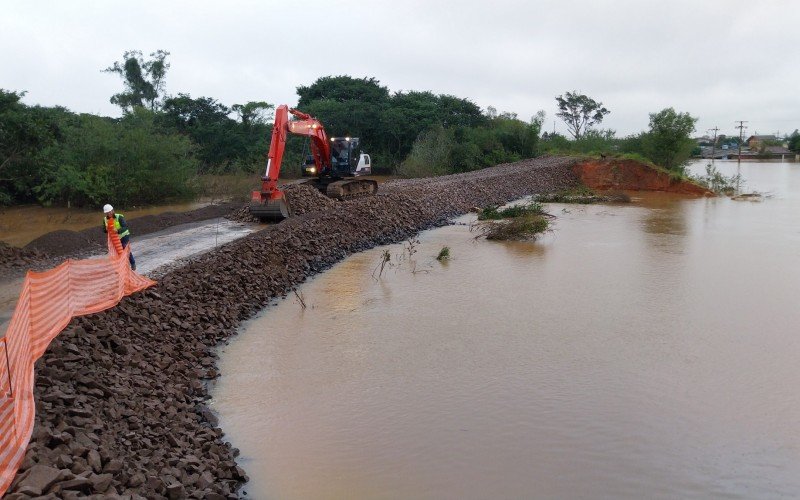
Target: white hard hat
point(107, 208)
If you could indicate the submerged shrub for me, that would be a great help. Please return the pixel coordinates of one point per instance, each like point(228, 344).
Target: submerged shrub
point(517, 228)
point(493, 213)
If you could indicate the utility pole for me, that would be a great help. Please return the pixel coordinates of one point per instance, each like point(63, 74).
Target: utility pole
point(714, 143)
point(741, 128)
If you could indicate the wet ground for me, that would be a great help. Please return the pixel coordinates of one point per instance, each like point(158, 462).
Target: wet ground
point(638, 351)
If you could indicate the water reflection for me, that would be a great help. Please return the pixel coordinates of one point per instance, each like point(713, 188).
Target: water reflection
point(666, 214)
point(527, 249)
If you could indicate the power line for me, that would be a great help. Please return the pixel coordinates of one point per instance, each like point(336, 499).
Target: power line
point(713, 143)
point(741, 128)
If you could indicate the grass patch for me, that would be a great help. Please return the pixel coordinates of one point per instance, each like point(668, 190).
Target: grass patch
point(519, 222)
point(519, 228)
point(444, 254)
point(583, 195)
point(493, 213)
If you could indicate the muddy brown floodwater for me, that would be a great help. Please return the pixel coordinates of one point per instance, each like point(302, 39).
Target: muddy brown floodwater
point(639, 351)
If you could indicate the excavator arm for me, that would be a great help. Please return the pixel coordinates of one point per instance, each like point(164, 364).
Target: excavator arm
point(270, 203)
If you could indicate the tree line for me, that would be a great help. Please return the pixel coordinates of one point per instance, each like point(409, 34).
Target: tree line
point(163, 143)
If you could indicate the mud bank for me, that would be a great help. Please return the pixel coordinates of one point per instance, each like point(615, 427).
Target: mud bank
point(630, 175)
point(120, 395)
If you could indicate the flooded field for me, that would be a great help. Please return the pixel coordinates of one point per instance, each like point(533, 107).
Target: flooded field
point(643, 350)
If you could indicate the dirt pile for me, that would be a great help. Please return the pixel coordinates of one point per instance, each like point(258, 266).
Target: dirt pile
point(630, 175)
point(121, 394)
point(66, 242)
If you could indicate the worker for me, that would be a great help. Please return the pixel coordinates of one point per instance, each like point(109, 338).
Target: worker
point(122, 229)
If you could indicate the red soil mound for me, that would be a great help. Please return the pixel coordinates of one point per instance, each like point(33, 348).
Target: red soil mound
point(631, 175)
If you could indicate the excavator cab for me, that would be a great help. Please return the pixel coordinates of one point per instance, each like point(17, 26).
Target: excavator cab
point(344, 156)
point(346, 160)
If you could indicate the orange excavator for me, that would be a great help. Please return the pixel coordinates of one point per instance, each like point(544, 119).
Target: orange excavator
point(334, 163)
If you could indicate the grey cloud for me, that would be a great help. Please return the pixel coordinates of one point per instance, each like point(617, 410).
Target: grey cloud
point(720, 60)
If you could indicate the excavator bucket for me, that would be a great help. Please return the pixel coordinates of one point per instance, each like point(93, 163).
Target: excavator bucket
point(274, 210)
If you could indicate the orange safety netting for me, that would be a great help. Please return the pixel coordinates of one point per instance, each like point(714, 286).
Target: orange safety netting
point(47, 303)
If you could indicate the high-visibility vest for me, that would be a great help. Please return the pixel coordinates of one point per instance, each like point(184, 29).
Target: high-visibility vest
point(118, 226)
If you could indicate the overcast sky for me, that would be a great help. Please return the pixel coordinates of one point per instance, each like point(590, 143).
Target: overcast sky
point(720, 60)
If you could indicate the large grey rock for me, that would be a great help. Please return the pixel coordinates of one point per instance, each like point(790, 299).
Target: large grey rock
point(39, 479)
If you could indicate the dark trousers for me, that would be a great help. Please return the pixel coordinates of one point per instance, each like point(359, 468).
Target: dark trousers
point(124, 240)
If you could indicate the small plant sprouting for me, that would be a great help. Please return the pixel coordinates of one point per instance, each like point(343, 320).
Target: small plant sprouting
point(386, 257)
point(411, 246)
point(719, 183)
point(444, 254)
point(300, 298)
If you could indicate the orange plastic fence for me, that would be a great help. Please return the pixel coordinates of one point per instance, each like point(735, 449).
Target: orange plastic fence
point(47, 303)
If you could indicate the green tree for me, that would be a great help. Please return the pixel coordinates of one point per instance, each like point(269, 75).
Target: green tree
point(144, 80)
point(207, 123)
point(668, 143)
point(517, 138)
point(407, 115)
point(459, 112)
point(794, 141)
point(430, 154)
point(24, 132)
point(130, 160)
point(342, 88)
point(579, 112)
point(347, 106)
point(254, 112)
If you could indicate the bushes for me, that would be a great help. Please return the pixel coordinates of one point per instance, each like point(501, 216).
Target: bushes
point(429, 156)
point(518, 222)
point(443, 150)
point(87, 160)
point(492, 213)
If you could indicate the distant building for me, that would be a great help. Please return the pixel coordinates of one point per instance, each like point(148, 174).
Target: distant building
point(704, 140)
point(776, 151)
point(755, 142)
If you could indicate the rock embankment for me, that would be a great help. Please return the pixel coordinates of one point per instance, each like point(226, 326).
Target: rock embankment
point(121, 395)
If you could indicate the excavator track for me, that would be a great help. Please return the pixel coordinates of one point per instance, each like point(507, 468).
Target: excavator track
point(348, 189)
